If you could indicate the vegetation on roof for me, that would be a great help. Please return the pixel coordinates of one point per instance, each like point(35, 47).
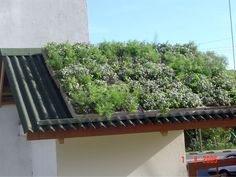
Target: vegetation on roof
point(112, 77)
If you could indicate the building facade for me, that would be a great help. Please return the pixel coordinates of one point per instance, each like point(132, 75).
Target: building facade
point(32, 24)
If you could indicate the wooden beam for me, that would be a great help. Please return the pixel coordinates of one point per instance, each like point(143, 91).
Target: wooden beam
point(2, 73)
point(165, 133)
point(226, 128)
point(7, 101)
point(60, 134)
point(5, 98)
point(61, 141)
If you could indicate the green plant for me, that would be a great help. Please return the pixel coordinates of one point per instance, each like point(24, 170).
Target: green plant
point(212, 139)
point(113, 76)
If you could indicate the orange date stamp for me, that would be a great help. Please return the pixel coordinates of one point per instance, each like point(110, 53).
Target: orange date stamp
point(206, 159)
point(209, 159)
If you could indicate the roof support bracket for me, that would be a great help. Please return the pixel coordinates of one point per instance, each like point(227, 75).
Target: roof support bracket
point(164, 133)
point(61, 141)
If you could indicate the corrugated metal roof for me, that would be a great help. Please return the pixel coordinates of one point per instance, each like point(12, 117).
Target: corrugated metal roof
point(37, 97)
point(42, 107)
point(150, 117)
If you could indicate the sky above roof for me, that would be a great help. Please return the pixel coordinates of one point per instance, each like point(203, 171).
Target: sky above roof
point(175, 21)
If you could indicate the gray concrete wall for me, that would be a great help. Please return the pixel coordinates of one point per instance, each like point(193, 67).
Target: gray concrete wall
point(33, 23)
point(15, 151)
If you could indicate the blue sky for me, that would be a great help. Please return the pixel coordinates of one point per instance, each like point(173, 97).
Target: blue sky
point(206, 22)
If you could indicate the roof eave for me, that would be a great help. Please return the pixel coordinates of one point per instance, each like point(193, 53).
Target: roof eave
point(121, 130)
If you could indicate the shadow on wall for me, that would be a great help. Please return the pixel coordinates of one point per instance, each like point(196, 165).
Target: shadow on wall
point(148, 154)
point(15, 151)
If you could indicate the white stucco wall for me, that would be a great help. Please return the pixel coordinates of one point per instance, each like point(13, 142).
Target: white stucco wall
point(15, 151)
point(147, 154)
point(33, 23)
point(19, 157)
point(44, 160)
point(29, 24)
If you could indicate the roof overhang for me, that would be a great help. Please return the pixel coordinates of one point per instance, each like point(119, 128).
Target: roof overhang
point(130, 129)
point(44, 112)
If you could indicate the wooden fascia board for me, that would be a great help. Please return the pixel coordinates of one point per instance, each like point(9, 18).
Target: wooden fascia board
point(60, 134)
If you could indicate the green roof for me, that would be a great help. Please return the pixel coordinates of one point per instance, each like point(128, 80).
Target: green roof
point(43, 107)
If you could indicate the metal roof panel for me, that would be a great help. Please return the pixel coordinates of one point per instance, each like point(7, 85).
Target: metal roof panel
point(37, 97)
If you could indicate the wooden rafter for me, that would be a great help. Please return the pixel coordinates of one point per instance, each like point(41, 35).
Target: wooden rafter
point(2, 73)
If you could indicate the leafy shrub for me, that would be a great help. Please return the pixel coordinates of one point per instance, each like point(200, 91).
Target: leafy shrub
point(212, 139)
point(114, 76)
point(204, 73)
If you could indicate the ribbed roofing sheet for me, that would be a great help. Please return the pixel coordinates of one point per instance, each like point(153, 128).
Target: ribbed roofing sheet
point(37, 97)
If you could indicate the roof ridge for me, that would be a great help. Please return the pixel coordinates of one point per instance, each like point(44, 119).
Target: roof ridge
point(20, 51)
